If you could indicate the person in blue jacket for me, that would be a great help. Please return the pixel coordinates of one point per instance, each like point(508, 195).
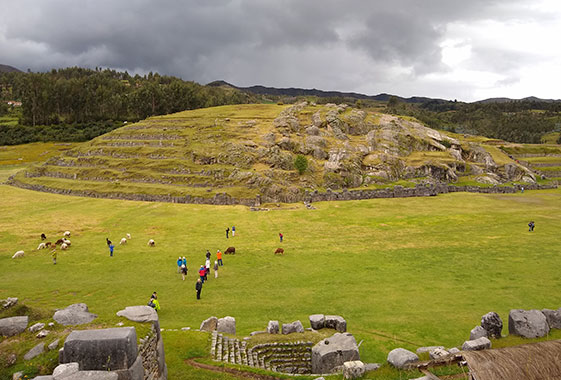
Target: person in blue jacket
point(179, 263)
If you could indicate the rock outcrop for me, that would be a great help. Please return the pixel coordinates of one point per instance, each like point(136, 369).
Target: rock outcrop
point(76, 314)
point(333, 352)
point(527, 323)
point(401, 358)
point(13, 325)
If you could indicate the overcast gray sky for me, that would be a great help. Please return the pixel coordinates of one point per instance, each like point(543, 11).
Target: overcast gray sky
point(453, 49)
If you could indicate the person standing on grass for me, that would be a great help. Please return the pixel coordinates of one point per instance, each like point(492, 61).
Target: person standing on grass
point(53, 255)
point(216, 268)
point(179, 264)
point(183, 271)
point(111, 247)
point(184, 261)
point(198, 288)
point(227, 231)
point(280, 236)
point(219, 257)
point(207, 254)
point(233, 231)
point(108, 242)
point(202, 272)
point(207, 268)
point(531, 226)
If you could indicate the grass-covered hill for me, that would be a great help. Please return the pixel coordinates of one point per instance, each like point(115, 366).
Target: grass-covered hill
point(246, 150)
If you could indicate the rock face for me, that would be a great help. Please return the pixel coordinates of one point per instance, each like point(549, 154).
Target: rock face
point(9, 302)
point(400, 358)
point(293, 327)
point(13, 325)
point(527, 323)
point(76, 314)
point(553, 318)
point(477, 344)
point(334, 351)
point(139, 313)
point(317, 321)
point(477, 332)
point(493, 324)
point(353, 369)
point(336, 322)
point(227, 325)
point(35, 351)
point(53, 345)
point(273, 327)
point(209, 324)
point(106, 349)
point(63, 370)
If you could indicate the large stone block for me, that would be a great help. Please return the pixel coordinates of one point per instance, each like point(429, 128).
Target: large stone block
point(135, 372)
point(227, 325)
point(476, 344)
point(353, 369)
point(400, 358)
point(105, 349)
point(273, 327)
point(293, 327)
point(140, 313)
point(553, 318)
point(76, 314)
point(13, 325)
point(67, 369)
point(317, 321)
point(478, 332)
point(92, 375)
point(493, 324)
point(333, 352)
point(527, 323)
point(336, 322)
point(209, 324)
point(35, 351)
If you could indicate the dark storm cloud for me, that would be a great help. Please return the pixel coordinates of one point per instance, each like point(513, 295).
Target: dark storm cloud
point(312, 43)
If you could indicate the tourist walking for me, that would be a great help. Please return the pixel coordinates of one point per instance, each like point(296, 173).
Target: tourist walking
point(183, 271)
point(531, 226)
point(108, 242)
point(207, 254)
point(179, 264)
point(216, 268)
point(53, 255)
point(280, 236)
point(219, 257)
point(184, 261)
point(233, 231)
point(227, 231)
point(202, 272)
point(198, 288)
point(111, 247)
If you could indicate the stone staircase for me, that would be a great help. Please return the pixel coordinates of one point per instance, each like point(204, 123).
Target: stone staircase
point(287, 357)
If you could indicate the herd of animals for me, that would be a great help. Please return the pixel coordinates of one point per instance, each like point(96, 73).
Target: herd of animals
point(65, 243)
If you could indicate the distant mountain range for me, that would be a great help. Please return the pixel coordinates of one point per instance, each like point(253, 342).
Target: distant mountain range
point(263, 90)
point(8, 69)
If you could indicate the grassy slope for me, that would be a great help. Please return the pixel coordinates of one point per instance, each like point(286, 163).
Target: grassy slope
point(403, 272)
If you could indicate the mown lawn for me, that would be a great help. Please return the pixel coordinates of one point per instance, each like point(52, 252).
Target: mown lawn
point(403, 272)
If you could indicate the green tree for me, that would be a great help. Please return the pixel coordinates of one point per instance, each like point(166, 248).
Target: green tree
point(301, 163)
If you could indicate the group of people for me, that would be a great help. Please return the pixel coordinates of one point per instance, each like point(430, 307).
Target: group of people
point(203, 271)
point(233, 231)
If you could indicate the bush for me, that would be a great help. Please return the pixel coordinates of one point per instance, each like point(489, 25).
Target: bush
point(301, 163)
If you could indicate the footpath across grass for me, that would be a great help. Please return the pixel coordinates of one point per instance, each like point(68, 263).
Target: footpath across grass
point(403, 272)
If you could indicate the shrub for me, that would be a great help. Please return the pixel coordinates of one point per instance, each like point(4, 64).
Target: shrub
point(301, 163)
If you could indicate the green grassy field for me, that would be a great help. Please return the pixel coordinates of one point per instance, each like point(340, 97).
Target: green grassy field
point(403, 272)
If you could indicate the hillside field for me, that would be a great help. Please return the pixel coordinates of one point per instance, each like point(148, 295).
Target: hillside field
point(403, 272)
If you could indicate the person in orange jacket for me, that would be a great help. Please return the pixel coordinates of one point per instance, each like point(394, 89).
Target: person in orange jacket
point(219, 257)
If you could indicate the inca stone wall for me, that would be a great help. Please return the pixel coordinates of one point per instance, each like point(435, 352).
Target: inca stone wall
point(315, 196)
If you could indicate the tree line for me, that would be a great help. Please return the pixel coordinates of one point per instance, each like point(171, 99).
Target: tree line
point(95, 100)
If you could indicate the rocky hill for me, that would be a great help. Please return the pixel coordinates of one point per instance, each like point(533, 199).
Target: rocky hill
point(8, 69)
point(247, 151)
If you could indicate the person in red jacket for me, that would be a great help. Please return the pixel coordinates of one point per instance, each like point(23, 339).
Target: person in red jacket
point(202, 273)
